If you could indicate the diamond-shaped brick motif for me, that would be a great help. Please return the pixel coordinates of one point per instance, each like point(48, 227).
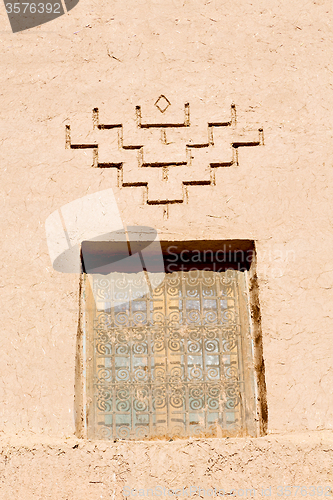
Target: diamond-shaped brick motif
point(162, 103)
point(165, 158)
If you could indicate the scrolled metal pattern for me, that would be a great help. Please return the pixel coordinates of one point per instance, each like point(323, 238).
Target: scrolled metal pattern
point(167, 364)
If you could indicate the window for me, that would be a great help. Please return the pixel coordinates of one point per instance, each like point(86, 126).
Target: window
point(172, 361)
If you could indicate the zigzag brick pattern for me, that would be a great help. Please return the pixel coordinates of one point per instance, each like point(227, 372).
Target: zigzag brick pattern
point(165, 157)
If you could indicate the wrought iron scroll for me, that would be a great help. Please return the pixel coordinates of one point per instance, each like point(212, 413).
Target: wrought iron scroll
point(169, 364)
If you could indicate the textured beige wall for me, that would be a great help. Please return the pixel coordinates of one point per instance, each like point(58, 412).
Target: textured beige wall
point(273, 60)
point(74, 470)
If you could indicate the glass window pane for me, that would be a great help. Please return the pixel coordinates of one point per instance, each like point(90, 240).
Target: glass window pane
point(167, 362)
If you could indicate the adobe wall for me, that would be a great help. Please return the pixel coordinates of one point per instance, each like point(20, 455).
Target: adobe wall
point(270, 467)
point(273, 60)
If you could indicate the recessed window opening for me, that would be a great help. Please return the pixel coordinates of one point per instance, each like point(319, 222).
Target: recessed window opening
point(174, 357)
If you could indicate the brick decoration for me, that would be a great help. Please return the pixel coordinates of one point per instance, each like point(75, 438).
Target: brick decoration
point(165, 157)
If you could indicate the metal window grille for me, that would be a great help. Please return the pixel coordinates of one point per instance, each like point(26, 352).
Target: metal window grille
point(175, 363)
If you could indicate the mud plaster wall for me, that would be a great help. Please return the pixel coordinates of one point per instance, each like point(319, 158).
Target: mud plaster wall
point(273, 60)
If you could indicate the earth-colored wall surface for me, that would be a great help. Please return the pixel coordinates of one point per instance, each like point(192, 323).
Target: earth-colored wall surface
point(273, 61)
point(274, 467)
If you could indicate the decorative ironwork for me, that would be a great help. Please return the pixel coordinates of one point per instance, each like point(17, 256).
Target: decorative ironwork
point(169, 364)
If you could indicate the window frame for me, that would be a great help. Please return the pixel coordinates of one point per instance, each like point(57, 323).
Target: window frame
point(254, 405)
